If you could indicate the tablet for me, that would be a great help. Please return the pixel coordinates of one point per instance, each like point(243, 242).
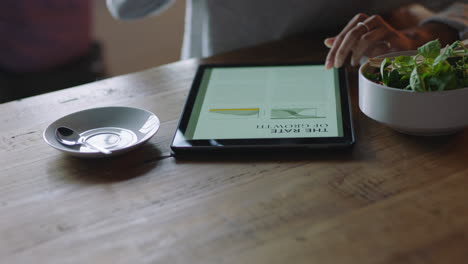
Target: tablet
point(274, 106)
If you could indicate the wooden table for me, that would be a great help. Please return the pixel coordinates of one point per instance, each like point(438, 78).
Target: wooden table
point(393, 198)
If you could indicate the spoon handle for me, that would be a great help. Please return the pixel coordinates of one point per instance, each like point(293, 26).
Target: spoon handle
point(98, 148)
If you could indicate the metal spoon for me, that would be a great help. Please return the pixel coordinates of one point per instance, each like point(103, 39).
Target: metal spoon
point(69, 137)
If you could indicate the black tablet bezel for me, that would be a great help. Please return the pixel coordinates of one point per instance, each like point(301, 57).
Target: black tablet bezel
point(181, 145)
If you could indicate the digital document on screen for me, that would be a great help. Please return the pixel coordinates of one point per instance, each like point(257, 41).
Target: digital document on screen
point(300, 101)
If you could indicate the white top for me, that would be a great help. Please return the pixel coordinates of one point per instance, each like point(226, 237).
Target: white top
point(214, 26)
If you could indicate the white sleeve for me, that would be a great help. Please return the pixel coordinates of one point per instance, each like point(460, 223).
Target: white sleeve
point(455, 16)
point(134, 9)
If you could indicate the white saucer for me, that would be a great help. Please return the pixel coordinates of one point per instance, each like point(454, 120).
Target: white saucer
point(118, 129)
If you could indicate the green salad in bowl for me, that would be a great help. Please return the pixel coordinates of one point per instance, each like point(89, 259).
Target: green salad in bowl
point(431, 69)
point(420, 92)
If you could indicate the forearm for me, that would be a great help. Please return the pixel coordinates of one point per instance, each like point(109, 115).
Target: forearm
point(450, 24)
point(135, 9)
point(407, 16)
point(421, 25)
point(430, 31)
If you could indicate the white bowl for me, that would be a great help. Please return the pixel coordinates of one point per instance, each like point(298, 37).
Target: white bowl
point(118, 129)
point(415, 113)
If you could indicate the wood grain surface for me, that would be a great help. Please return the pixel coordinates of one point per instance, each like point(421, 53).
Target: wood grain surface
point(392, 198)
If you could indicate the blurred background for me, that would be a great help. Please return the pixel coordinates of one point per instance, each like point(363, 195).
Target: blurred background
point(130, 46)
point(54, 44)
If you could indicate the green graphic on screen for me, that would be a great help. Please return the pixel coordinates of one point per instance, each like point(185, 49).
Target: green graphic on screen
point(267, 102)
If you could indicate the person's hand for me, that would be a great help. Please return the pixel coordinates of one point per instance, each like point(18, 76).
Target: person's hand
point(366, 36)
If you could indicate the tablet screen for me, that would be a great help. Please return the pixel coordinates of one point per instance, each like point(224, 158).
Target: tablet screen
point(289, 101)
